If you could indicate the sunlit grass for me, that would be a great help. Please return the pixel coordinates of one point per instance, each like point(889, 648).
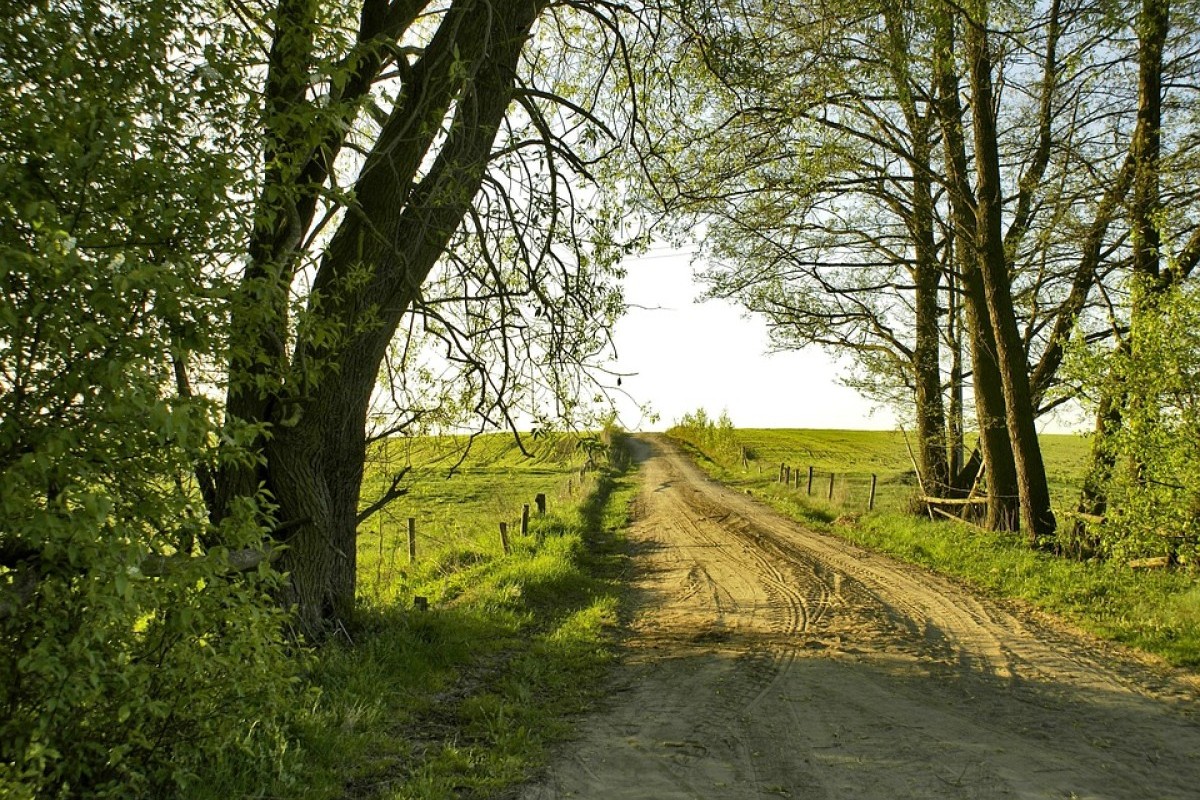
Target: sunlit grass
point(462, 700)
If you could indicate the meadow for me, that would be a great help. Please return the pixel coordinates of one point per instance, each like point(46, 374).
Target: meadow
point(1157, 611)
point(461, 700)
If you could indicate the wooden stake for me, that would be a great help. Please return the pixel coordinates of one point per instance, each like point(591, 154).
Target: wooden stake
point(871, 502)
point(831, 486)
point(810, 477)
point(504, 538)
point(525, 520)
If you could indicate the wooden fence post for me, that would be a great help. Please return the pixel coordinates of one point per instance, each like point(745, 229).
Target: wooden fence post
point(412, 539)
point(541, 504)
point(810, 477)
point(831, 486)
point(525, 520)
point(780, 473)
point(871, 502)
point(504, 538)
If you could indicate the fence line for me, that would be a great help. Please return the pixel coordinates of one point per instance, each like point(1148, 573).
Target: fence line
point(791, 477)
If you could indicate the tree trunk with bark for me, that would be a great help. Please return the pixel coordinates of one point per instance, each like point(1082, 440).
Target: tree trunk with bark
point(991, 409)
point(1037, 518)
point(312, 403)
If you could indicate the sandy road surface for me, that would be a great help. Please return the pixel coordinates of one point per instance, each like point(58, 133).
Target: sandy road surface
point(766, 660)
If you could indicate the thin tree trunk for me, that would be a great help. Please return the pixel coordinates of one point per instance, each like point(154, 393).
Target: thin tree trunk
point(926, 271)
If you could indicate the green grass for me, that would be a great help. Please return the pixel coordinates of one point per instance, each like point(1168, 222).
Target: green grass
point(463, 700)
point(1155, 611)
point(852, 457)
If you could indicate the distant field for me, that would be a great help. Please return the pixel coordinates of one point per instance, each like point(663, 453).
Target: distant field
point(458, 498)
point(853, 456)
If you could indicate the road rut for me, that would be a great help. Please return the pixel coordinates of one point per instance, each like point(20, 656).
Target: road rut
point(768, 660)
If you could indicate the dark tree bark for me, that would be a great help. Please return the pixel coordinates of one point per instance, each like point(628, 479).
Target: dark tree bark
point(991, 409)
point(315, 402)
point(926, 270)
point(1037, 517)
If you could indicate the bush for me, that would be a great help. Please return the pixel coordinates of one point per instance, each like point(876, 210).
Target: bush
point(133, 662)
point(1154, 487)
point(717, 438)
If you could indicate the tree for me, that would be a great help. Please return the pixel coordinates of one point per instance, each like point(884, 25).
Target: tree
point(817, 189)
point(409, 140)
point(132, 655)
point(865, 178)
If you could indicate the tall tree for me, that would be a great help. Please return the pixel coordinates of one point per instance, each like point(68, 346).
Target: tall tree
point(393, 138)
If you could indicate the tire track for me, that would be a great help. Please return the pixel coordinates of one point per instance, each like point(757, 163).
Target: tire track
point(767, 660)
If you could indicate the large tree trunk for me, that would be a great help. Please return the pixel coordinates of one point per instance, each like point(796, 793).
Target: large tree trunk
point(1037, 518)
point(315, 407)
point(991, 410)
point(990, 407)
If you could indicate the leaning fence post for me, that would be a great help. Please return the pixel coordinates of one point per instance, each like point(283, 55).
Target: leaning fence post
point(831, 486)
point(412, 539)
point(871, 502)
point(525, 519)
point(780, 473)
point(810, 479)
point(504, 537)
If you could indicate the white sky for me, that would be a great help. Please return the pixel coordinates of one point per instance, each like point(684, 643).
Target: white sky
point(687, 354)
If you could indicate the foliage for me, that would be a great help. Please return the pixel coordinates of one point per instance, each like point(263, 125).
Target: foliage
point(1154, 489)
point(715, 437)
point(132, 661)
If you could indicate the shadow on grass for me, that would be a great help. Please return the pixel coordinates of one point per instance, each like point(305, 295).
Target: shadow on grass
point(462, 700)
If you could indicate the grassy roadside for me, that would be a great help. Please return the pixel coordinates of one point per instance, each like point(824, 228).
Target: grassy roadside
point(1155, 611)
point(462, 700)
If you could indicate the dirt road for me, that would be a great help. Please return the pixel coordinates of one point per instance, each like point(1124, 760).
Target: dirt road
point(767, 660)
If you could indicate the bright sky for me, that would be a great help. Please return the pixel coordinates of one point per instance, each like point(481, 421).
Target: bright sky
point(685, 355)
point(688, 354)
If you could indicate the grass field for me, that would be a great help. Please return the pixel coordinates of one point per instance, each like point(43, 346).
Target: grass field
point(1156, 611)
point(461, 700)
point(853, 456)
